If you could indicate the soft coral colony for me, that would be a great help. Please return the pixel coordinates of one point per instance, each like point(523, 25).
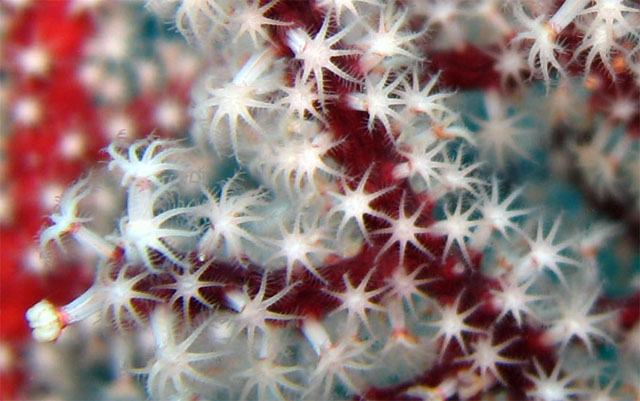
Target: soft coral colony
point(375, 239)
point(73, 76)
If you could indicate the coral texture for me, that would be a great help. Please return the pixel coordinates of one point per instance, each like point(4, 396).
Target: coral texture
point(376, 200)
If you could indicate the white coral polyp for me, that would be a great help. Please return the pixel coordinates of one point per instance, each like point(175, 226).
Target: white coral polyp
point(45, 321)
